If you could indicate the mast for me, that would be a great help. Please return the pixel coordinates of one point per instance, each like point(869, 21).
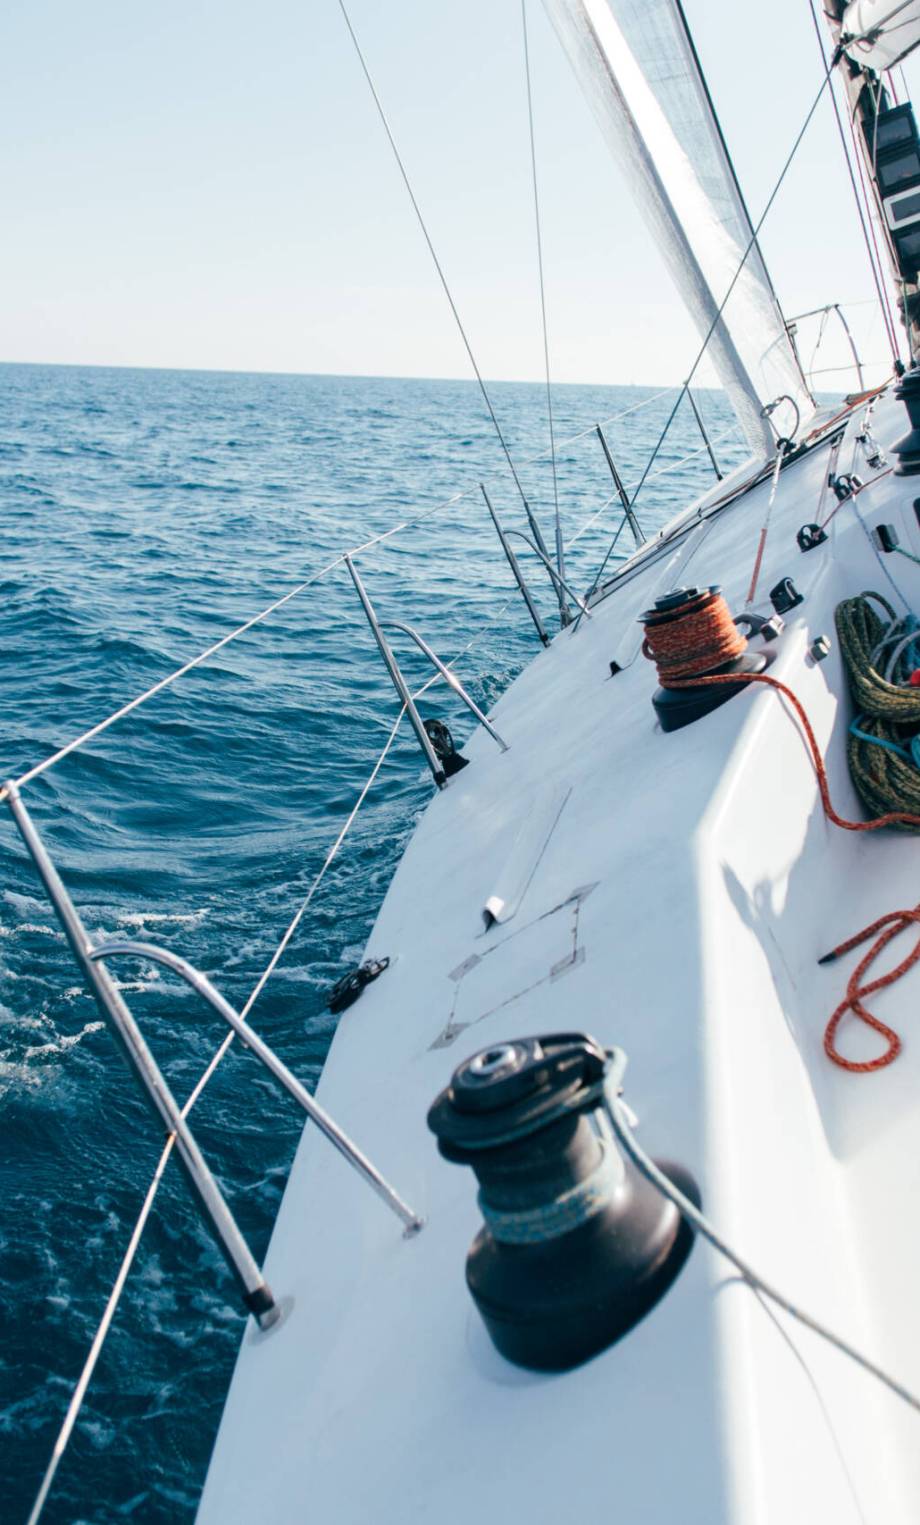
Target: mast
point(863, 51)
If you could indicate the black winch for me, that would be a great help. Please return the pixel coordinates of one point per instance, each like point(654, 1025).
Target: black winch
point(677, 707)
point(907, 449)
point(576, 1246)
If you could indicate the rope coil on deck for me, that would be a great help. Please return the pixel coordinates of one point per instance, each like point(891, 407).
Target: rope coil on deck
point(884, 740)
point(688, 652)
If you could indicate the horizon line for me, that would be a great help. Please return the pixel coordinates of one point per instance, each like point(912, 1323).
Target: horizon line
point(208, 370)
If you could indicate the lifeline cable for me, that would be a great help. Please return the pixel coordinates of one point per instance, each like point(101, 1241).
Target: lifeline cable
point(102, 1329)
point(366, 545)
point(560, 549)
point(535, 528)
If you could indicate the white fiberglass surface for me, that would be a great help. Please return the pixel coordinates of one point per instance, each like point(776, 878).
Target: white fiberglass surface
point(678, 909)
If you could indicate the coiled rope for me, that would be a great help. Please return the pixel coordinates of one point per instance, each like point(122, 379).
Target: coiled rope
point(888, 926)
point(683, 650)
point(704, 637)
point(702, 631)
point(883, 745)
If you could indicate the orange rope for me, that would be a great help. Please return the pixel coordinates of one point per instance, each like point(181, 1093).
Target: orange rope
point(696, 642)
point(889, 819)
point(888, 926)
point(855, 402)
point(894, 922)
point(854, 494)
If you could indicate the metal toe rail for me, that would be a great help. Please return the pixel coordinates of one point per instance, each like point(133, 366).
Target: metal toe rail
point(257, 1295)
point(402, 688)
point(317, 1114)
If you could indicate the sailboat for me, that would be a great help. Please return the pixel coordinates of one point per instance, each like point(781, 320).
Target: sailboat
point(605, 1197)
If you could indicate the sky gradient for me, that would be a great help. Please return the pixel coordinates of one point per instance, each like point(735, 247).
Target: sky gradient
point(210, 187)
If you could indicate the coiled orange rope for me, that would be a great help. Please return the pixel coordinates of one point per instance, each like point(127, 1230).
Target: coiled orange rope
point(693, 643)
point(699, 633)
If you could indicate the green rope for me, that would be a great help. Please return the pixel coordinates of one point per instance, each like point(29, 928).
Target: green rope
point(882, 769)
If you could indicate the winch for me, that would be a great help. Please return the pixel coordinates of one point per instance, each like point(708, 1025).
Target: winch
point(576, 1245)
point(691, 637)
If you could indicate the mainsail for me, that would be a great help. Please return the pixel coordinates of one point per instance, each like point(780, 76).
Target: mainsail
point(637, 66)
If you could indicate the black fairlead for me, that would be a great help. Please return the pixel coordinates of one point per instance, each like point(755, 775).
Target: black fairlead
point(810, 536)
point(445, 747)
point(346, 991)
point(576, 1246)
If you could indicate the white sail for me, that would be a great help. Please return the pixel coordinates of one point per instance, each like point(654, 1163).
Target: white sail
point(877, 34)
point(636, 65)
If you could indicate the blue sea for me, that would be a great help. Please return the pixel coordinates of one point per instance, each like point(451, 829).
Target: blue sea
point(144, 515)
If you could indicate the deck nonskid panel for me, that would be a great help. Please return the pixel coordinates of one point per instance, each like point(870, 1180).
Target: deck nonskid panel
point(678, 907)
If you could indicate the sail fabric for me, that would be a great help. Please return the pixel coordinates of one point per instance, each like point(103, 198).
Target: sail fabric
point(636, 65)
point(877, 34)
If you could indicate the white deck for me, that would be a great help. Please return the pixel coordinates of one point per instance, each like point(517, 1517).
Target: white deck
point(696, 880)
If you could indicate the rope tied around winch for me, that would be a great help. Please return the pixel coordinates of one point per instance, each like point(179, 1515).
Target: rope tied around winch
point(862, 635)
point(682, 651)
point(701, 638)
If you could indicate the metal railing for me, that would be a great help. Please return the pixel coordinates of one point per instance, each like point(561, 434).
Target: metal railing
point(200, 983)
point(257, 1295)
point(92, 957)
point(401, 686)
point(824, 313)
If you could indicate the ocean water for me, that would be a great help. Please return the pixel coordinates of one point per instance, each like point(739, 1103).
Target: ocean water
point(145, 514)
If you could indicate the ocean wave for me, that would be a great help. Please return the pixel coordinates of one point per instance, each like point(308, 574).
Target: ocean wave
point(147, 514)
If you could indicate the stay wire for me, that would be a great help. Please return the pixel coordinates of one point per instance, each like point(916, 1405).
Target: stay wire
point(876, 277)
point(620, 1120)
point(367, 545)
point(722, 305)
point(440, 271)
point(102, 1329)
point(560, 549)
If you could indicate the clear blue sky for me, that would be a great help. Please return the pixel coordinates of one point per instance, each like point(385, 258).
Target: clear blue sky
point(208, 186)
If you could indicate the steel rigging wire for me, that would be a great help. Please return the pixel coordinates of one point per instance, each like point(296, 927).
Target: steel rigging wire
point(560, 551)
point(534, 526)
point(717, 319)
point(876, 276)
